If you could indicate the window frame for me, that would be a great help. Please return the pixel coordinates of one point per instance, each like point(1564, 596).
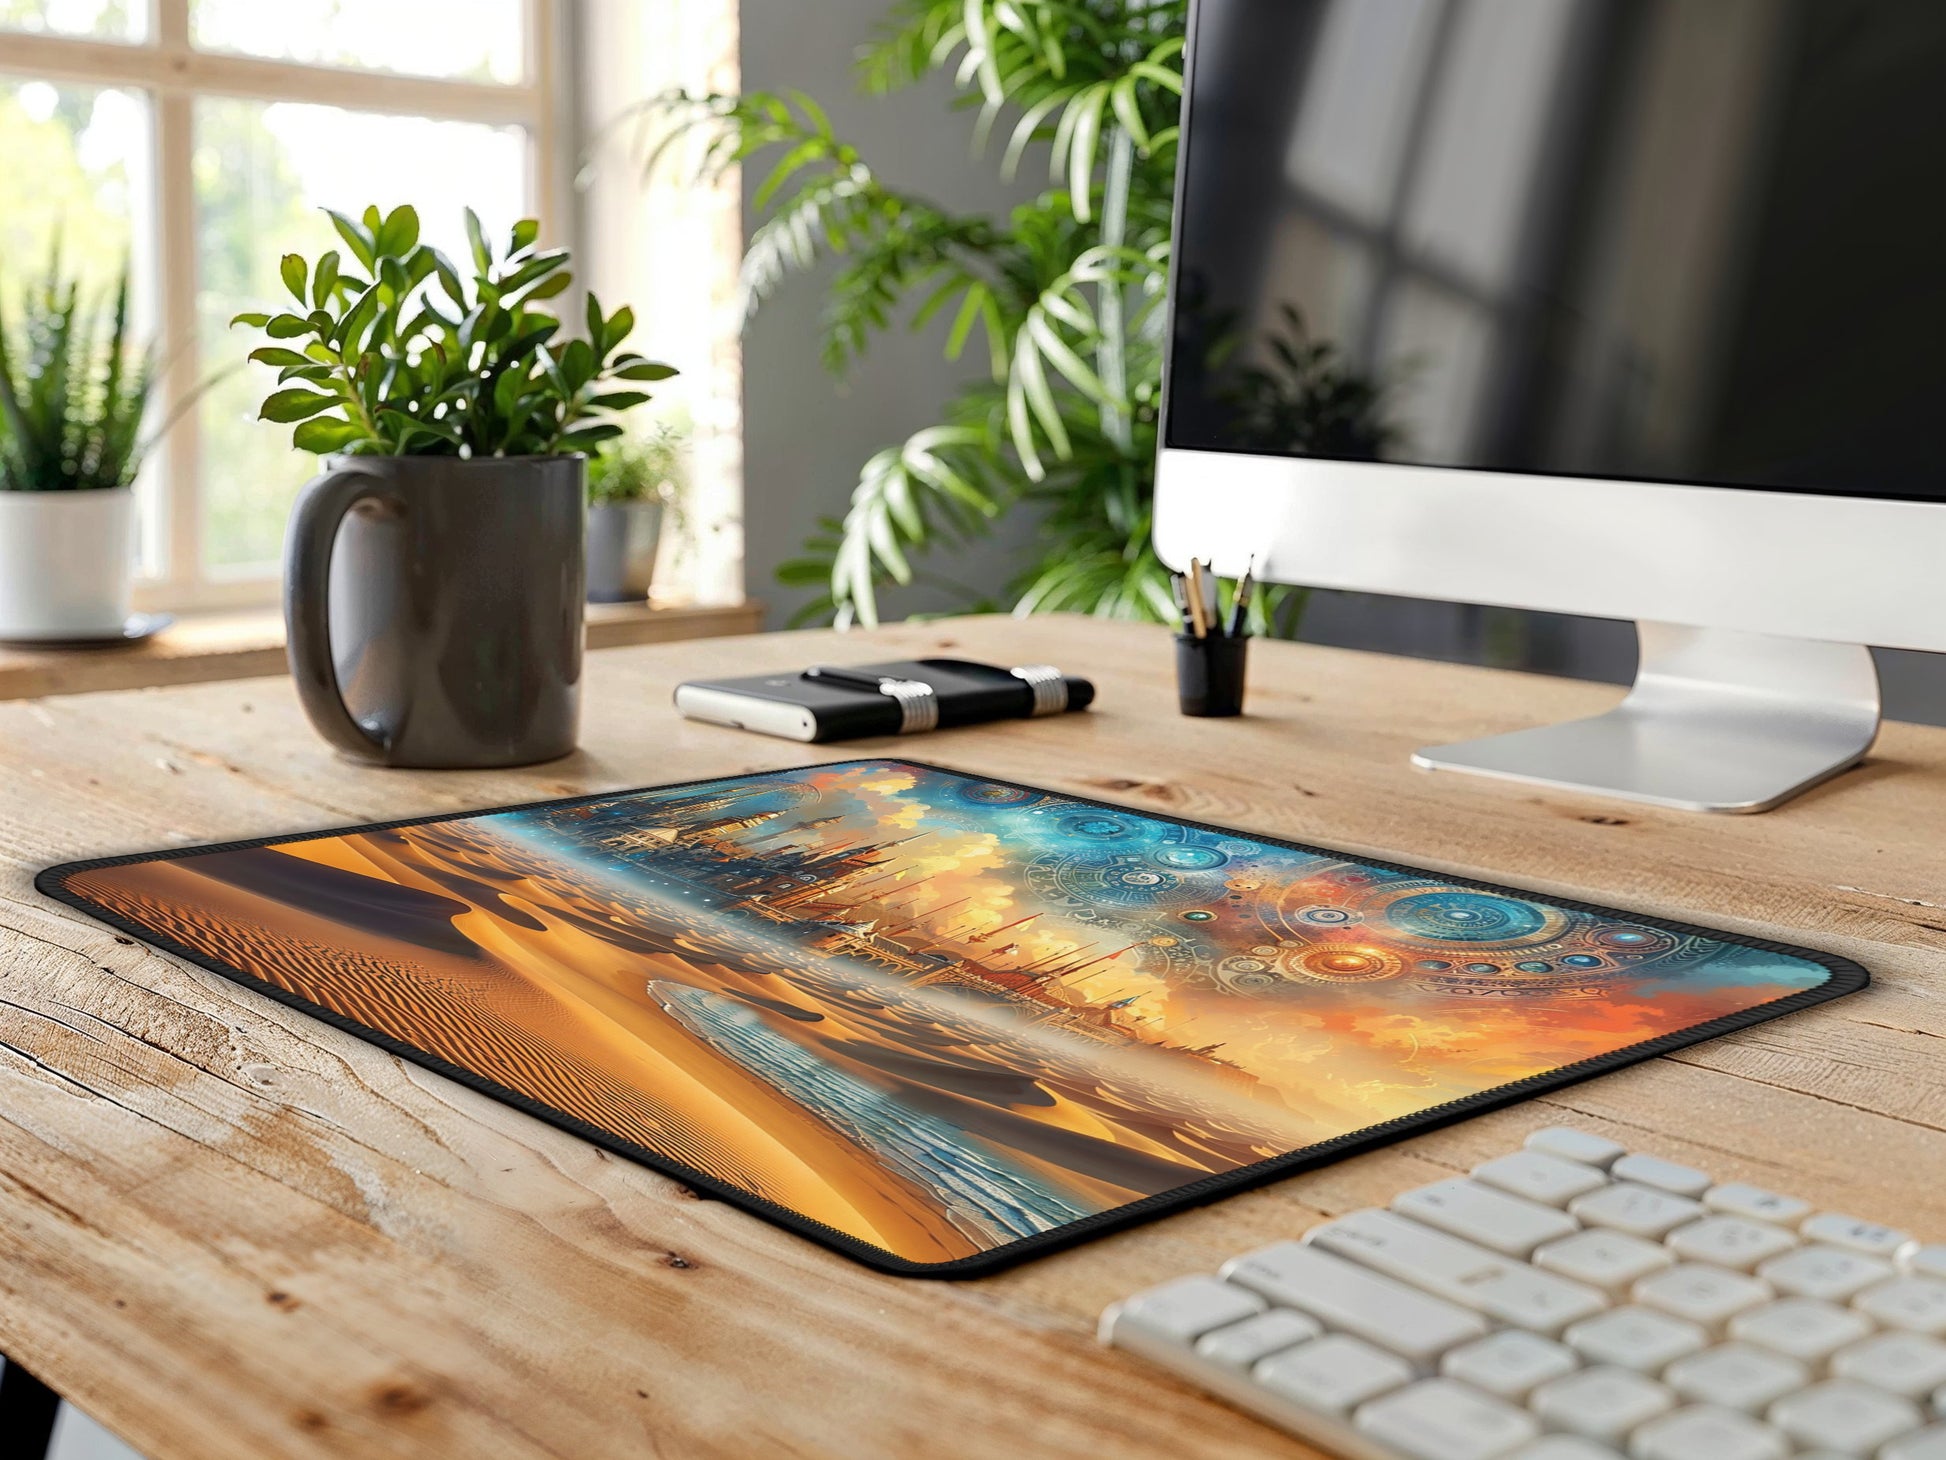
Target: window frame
point(173, 73)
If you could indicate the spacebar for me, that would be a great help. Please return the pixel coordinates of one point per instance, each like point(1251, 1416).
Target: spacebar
point(1356, 1300)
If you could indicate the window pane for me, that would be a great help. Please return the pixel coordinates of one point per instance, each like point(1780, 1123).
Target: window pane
point(109, 20)
point(473, 40)
point(76, 168)
point(262, 173)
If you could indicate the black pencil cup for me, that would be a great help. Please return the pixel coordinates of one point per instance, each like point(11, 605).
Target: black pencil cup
point(1209, 674)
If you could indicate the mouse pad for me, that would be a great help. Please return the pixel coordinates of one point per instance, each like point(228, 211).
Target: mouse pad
point(935, 1021)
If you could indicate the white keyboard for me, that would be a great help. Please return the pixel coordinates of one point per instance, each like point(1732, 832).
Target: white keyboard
point(1573, 1301)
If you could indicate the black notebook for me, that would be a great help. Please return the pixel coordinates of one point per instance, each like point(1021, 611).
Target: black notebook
point(813, 705)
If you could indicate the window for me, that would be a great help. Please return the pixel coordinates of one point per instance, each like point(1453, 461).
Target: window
point(197, 139)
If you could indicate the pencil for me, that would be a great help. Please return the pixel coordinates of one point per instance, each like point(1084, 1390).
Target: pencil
point(1181, 595)
point(1212, 604)
point(1240, 604)
point(1198, 616)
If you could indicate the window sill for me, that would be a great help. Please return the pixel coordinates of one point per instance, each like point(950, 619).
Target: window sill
point(202, 647)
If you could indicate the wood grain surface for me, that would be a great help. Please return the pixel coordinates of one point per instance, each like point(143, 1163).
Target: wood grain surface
point(199, 648)
point(230, 1232)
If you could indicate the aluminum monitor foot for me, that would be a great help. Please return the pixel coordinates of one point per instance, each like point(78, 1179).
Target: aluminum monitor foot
point(1718, 720)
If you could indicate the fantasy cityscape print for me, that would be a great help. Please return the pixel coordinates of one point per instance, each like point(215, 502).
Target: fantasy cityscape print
point(933, 1013)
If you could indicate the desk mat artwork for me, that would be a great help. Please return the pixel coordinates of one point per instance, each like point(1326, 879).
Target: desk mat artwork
point(936, 1021)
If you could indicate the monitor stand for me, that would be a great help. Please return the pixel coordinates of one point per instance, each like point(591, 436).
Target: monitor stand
point(1718, 720)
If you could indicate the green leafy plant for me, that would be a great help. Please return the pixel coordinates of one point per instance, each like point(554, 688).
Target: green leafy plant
point(73, 391)
point(1063, 295)
point(397, 354)
point(650, 467)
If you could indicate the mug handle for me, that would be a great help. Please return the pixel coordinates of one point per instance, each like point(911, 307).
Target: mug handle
point(320, 507)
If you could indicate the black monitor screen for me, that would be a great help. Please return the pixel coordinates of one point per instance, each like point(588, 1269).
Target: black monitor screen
point(1670, 240)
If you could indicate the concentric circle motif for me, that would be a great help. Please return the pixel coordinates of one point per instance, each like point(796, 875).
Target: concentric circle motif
point(1634, 940)
point(986, 793)
point(1189, 858)
point(1096, 826)
point(1344, 963)
point(1247, 975)
point(1328, 917)
point(1455, 915)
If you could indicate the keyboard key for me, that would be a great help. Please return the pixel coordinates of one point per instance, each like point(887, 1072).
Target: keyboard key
point(1640, 1211)
point(1484, 1215)
point(1540, 1177)
point(1926, 1261)
point(1460, 1272)
point(1842, 1415)
point(1736, 1376)
point(1182, 1311)
point(1926, 1444)
point(1241, 1344)
point(1856, 1236)
point(1661, 1174)
point(1603, 1259)
point(1576, 1145)
point(1906, 1363)
point(1800, 1328)
point(1440, 1419)
point(1635, 1338)
point(1916, 1304)
point(1730, 1242)
point(1336, 1373)
point(1827, 1273)
point(1564, 1447)
point(1753, 1202)
point(1346, 1296)
point(1508, 1363)
point(1602, 1404)
point(1707, 1295)
point(1705, 1433)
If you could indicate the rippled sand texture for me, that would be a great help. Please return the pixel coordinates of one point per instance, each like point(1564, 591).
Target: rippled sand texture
point(903, 1117)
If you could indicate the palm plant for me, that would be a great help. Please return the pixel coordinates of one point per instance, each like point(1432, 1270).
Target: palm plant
point(1064, 294)
point(73, 391)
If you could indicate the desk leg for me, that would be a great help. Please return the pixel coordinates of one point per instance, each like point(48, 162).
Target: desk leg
point(27, 1411)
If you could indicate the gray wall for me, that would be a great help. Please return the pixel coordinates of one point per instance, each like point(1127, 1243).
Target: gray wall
point(806, 434)
point(1551, 643)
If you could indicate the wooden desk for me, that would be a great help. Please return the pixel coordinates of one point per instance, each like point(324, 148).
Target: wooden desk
point(229, 1231)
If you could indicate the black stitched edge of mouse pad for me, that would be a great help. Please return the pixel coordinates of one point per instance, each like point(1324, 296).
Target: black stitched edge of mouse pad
point(936, 1021)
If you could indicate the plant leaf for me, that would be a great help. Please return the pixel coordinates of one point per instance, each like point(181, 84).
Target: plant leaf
point(294, 405)
point(324, 435)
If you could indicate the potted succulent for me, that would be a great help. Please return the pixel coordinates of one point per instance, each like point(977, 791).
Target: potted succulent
point(636, 486)
point(433, 574)
point(73, 391)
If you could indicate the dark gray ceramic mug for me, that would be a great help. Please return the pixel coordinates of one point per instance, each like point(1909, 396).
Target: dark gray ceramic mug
point(434, 607)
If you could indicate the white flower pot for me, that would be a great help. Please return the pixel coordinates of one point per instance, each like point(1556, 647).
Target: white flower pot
point(66, 563)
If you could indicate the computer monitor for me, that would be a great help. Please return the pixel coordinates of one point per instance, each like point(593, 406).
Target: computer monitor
point(1631, 308)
